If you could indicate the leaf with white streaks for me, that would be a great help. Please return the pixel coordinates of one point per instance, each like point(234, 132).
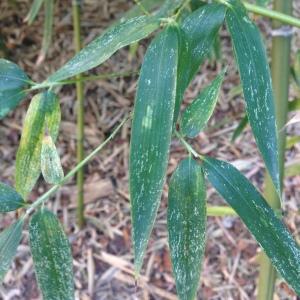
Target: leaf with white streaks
point(151, 135)
point(198, 33)
point(254, 70)
point(43, 113)
point(103, 47)
point(51, 256)
point(13, 82)
point(197, 114)
point(9, 241)
point(259, 217)
point(187, 226)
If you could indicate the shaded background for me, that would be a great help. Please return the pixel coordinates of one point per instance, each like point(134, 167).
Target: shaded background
point(102, 250)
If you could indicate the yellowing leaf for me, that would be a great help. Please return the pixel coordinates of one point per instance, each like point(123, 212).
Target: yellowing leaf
point(43, 113)
point(50, 163)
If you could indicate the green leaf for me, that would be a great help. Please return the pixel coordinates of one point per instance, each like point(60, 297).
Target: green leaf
point(168, 7)
point(48, 25)
point(136, 11)
point(9, 240)
point(187, 226)
point(257, 86)
point(151, 135)
point(296, 68)
point(10, 200)
point(294, 105)
point(198, 33)
point(258, 216)
point(197, 114)
point(43, 113)
point(292, 141)
point(106, 45)
point(34, 10)
point(50, 162)
point(13, 81)
point(51, 256)
point(242, 125)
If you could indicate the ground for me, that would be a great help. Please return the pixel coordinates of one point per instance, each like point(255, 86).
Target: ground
point(102, 250)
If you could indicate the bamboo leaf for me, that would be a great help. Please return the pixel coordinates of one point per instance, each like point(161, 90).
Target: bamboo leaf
point(168, 7)
point(197, 114)
point(136, 11)
point(187, 226)
point(48, 25)
point(43, 113)
point(151, 135)
point(240, 128)
point(106, 45)
point(198, 33)
point(51, 256)
point(10, 200)
point(9, 241)
point(257, 86)
point(258, 216)
point(34, 10)
point(263, 2)
point(50, 162)
point(13, 81)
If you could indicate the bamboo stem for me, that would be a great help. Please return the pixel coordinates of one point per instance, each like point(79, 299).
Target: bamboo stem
point(280, 76)
point(80, 117)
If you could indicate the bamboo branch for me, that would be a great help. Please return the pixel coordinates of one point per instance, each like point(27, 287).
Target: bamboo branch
point(80, 117)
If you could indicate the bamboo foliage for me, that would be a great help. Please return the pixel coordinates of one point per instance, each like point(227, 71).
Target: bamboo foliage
point(183, 38)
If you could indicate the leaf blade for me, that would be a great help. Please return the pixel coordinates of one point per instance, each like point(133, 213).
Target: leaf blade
point(43, 113)
point(10, 200)
point(151, 135)
point(187, 226)
point(198, 32)
point(258, 216)
point(52, 256)
point(50, 162)
point(257, 86)
point(197, 114)
point(13, 82)
point(9, 241)
point(106, 45)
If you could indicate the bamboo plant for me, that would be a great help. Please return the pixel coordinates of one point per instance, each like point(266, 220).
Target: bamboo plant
point(181, 44)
